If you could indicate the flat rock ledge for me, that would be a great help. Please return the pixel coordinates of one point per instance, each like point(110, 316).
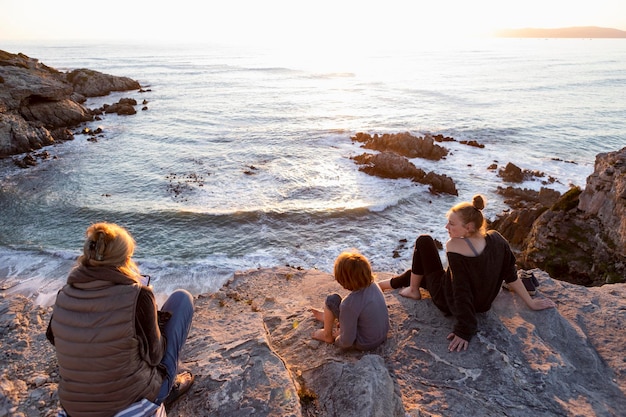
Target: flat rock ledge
point(251, 350)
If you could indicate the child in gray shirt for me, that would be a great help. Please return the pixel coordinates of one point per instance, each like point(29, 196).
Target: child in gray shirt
point(363, 316)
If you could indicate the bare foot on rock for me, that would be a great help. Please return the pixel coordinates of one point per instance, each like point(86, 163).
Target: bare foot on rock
point(319, 334)
point(318, 314)
point(410, 292)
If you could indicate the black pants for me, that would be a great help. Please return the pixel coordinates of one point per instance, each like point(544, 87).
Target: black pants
point(426, 262)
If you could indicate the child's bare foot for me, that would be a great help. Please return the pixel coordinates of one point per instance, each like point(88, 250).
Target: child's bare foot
point(319, 334)
point(385, 285)
point(410, 292)
point(318, 314)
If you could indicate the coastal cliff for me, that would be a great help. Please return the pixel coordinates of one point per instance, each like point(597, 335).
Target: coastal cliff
point(251, 350)
point(581, 238)
point(39, 105)
point(250, 345)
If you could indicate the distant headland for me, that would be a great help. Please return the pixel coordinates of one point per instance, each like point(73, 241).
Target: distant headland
point(571, 32)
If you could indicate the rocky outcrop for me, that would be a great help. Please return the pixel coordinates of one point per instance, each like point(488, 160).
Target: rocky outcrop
point(392, 165)
point(90, 83)
point(251, 350)
point(582, 238)
point(513, 173)
point(403, 144)
point(39, 103)
point(604, 197)
point(526, 206)
point(393, 159)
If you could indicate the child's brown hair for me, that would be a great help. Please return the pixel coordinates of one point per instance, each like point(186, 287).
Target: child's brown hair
point(353, 271)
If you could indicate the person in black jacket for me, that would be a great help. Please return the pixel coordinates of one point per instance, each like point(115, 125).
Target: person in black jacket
point(478, 264)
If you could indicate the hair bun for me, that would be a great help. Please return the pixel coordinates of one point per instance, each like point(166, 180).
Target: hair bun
point(478, 202)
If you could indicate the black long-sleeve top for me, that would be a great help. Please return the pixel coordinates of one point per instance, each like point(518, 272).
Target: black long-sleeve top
point(472, 283)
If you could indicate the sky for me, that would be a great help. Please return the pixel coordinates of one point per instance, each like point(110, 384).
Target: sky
point(346, 22)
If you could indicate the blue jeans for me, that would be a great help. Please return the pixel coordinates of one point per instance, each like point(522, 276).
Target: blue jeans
point(180, 304)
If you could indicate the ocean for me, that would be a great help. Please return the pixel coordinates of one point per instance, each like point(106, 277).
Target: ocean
point(242, 158)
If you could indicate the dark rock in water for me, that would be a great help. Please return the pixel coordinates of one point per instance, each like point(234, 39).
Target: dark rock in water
point(389, 165)
point(511, 173)
point(394, 166)
point(440, 183)
point(123, 107)
point(393, 160)
point(26, 161)
point(473, 143)
point(403, 144)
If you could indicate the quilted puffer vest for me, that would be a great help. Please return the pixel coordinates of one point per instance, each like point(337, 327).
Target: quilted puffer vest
point(93, 323)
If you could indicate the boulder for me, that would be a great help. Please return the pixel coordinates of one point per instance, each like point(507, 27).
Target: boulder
point(388, 165)
point(513, 173)
point(125, 106)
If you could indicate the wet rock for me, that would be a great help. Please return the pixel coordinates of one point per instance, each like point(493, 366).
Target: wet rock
point(403, 144)
point(511, 173)
point(394, 166)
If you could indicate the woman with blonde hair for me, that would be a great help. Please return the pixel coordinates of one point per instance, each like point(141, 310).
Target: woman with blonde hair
point(479, 261)
point(114, 349)
point(362, 315)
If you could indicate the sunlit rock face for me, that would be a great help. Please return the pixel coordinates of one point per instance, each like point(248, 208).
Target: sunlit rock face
point(605, 196)
point(582, 238)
